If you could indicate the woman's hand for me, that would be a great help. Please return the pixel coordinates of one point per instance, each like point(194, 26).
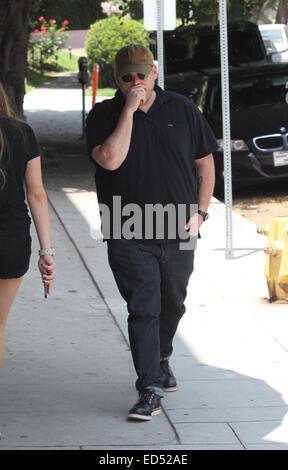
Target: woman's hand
point(47, 267)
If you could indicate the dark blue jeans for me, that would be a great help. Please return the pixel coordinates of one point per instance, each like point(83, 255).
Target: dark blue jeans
point(153, 279)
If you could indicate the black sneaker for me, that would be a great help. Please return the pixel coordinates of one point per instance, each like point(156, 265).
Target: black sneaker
point(148, 405)
point(169, 382)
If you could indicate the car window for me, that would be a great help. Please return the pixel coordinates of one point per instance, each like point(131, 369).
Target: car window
point(250, 92)
point(188, 51)
point(274, 35)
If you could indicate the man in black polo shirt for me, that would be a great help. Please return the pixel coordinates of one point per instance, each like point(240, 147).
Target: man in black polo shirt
point(152, 149)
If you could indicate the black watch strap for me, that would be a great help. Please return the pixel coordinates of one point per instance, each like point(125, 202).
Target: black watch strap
point(203, 214)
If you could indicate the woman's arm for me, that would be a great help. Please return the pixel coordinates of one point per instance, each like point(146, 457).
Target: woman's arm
point(38, 204)
point(37, 201)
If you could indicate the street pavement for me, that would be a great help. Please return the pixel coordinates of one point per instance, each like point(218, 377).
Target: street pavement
point(68, 378)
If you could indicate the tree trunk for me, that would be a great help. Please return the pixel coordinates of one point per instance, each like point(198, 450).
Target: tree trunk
point(258, 10)
point(282, 12)
point(14, 19)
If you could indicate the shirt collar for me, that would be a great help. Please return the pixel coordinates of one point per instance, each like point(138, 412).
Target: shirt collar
point(119, 97)
point(161, 95)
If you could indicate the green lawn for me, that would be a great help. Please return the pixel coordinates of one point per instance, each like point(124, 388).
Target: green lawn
point(101, 91)
point(35, 79)
point(65, 63)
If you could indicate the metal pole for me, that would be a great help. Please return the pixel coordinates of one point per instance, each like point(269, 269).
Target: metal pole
point(160, 45)
point(226, 127)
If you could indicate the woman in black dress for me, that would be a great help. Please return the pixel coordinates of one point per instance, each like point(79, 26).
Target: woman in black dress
point(19, 161)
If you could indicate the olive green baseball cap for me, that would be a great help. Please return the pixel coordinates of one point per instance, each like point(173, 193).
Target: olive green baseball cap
point(133, 58)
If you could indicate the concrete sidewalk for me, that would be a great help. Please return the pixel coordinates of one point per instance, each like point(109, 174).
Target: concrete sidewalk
point(68, 378)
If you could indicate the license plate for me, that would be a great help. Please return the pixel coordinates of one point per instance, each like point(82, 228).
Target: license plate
point(280, 158)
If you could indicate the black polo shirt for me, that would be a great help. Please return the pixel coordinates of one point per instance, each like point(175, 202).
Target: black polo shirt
point(159, 167)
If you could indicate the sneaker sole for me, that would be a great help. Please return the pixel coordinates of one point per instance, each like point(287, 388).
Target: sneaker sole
point(171, 389)
point(136, 417)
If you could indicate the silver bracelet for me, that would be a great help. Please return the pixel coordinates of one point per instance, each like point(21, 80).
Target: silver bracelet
point(47, 251)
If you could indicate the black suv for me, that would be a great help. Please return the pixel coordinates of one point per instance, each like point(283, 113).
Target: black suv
point(259, 111)
point(192, 48)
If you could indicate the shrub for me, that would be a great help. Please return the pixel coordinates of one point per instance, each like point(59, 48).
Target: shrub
point(48, 38)
point(106, 37)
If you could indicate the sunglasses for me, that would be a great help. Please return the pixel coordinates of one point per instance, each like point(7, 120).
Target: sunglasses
point(128, 77)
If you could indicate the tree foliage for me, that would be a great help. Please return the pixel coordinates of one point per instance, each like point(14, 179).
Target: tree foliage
point(133, 8)
point(207, 10)
point(81, 13)
point(14, 20)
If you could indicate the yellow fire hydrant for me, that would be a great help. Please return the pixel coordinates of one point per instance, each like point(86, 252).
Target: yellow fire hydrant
point(276, 262)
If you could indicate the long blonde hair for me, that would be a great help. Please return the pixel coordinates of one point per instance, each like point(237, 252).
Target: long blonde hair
point(5, 110)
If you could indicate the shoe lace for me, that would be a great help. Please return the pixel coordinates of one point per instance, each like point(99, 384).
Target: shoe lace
point(147, 396)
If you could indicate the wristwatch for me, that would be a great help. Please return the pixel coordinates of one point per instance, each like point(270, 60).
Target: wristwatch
point(204, 215)
point(47, 251)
